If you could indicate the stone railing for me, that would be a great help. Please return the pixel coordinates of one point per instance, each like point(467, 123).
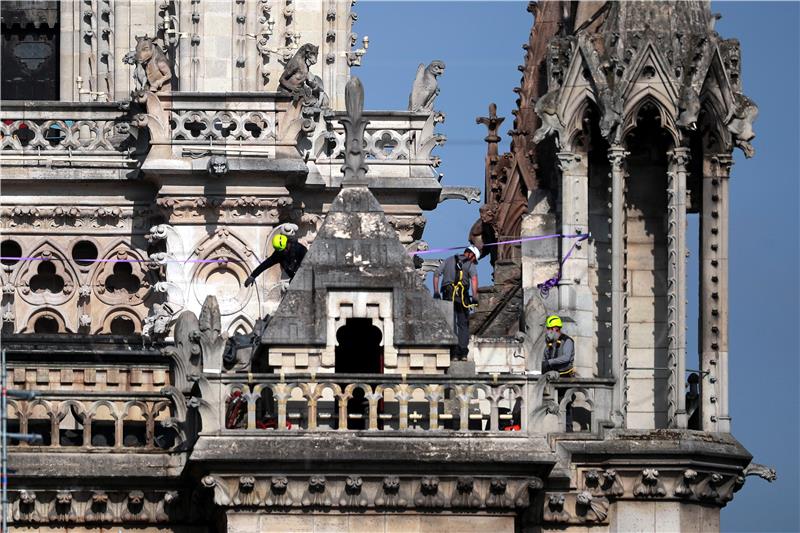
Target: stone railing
point(382, 403)
point(108, 422)
point(64, 132)
point(242, 118)
point(398, 136)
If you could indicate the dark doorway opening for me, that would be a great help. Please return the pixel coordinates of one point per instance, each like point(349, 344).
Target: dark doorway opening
point(359, 350)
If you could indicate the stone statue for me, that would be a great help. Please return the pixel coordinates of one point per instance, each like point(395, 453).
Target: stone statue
point(217, 166)
point(426, 87)
point(152, 59)
point(297, 79)
point(483, 232)
point(741, 123)
point(139, 75)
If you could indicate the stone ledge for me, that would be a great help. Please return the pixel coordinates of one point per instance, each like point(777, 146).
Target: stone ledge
point(383, 453)
point(115, 468)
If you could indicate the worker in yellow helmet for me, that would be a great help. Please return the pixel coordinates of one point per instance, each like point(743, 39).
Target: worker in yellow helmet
point(559, 350)
point(288, 253)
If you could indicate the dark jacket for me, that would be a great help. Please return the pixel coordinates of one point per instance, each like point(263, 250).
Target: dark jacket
point(289, 259)
point(559, 355)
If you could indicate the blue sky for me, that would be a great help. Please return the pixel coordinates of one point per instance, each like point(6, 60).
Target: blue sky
point(481, 44)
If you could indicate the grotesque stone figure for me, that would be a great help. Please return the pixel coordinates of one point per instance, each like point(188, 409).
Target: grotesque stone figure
point(298, 81)
point(152, 59)
point(217, 166)
point(483, 233)
point(425, 88)
point(139, 75)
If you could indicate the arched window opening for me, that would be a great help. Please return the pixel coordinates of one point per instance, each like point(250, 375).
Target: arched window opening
point(122, 325)
point(123, 279)
point(71, 429)
point(103, 427)
point(46, 279)
point(46, 324)
point(10, 249)
point(647, 249)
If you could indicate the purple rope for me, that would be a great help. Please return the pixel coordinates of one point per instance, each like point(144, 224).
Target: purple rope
point(545, 286)
point(579, 236)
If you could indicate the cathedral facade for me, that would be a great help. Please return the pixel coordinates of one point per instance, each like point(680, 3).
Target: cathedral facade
point(151, 151)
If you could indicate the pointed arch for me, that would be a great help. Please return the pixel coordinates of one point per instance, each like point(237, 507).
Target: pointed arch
point(666, 111)
point(125, 282)
point(57, 267)
point(223, 276)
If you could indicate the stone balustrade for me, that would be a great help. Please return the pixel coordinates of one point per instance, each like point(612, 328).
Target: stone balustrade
point(398, 136)
point(511, 404)
point(64, 132)
point(241, 118)
point(109, 422)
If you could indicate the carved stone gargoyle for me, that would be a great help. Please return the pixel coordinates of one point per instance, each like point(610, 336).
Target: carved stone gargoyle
point(426, 87)
point(199, 344)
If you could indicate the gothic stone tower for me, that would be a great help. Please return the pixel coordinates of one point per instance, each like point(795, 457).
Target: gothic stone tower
point(139, 194)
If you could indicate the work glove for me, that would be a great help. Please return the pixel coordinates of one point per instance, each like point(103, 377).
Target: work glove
point(437, 296)
point(249, 281)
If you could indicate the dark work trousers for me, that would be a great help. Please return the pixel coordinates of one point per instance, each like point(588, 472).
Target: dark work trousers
point(461, 323)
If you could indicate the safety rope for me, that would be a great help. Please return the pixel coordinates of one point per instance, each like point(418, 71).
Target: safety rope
point(579, 236)
point(545, 286)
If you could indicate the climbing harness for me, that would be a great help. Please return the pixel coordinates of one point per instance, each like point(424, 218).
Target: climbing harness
point(558, 342)
point(459, 290)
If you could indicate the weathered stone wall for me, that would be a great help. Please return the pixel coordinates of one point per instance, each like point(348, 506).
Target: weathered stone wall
point(213, 46)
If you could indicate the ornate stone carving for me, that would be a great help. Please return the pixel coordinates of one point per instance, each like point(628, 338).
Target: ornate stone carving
point(354, 168)
point(707, 488)
point(467, 194)
point(464, 495)
point(426, 87)
point(498, 497)
point(278, 492)
point(554, 509)
point(428, 495)
point(217, 166)
point(352, 495)
point(684, 488)
point(94, 506)
point(649, 485)
point(298, 81)
point(198, 344)
point(762, 471)
point(390, 498)
point(604, 482)
point(591, 508)
point(155, 65)
point(316, 495)
point(526, 493)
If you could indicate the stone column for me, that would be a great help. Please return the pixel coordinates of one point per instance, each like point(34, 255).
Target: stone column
point(676, 297)
point(575, 296)
point(714, 294)
point(616, 156)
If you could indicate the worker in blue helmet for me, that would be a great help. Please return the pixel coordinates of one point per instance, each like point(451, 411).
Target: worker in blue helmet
point(288, 254)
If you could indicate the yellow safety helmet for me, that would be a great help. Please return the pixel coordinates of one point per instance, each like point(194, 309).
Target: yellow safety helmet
point(279, 242)
point(554, 321)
